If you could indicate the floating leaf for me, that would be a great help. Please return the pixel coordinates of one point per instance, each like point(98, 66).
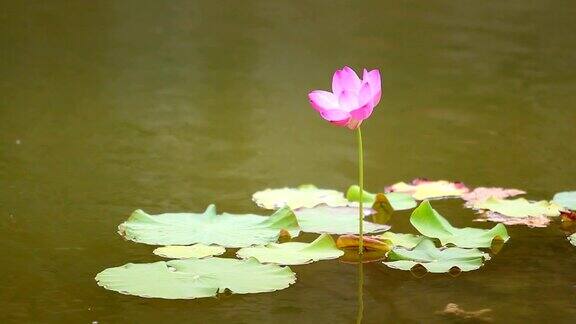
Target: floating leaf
point(519, 207)
point(291, 253)
point(307, 196)
point(382, 242)
point(197, 251)
point(566, 199)
point(382, 209)
point(335, 220)
point(482, 194)
point(572, 239)
point(530, 221)
point(399, 201)
point(370, 243)
point(351, 256)
point(422, 189)
point(436, 260)
point(408, 241)
point(226, 230)
point(428, 222)
point(195, 278)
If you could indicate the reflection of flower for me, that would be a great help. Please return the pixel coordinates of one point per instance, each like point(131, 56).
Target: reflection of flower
point(352, 99)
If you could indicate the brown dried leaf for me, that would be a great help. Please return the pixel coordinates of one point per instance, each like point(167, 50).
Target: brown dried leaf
point(454, 311)
point(370, 243)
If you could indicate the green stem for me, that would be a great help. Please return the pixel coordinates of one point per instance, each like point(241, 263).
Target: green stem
point(361, 185)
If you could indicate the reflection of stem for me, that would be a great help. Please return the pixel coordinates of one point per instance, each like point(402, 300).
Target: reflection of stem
point(361, 184)
point(360, 292)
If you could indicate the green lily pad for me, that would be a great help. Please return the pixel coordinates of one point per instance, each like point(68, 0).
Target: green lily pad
point(291, 253)
point(195, 278)
point(335, 220)
point(428, 222)
point(196, 251)
point(306, 196)
point(408, 241)
point(566, 199)
point(436, 260)
point(399, 201)
point(226, 230)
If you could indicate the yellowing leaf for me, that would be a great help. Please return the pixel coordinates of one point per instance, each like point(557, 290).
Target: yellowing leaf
point(370, 243)
point(307, 196)
point(519, 207)
point(423, 189)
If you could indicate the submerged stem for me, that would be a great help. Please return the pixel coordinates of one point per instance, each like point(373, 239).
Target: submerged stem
point(361, 185)
point(360, 314)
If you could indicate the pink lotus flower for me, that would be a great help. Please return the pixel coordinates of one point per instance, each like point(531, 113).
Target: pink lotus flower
point(351, 100)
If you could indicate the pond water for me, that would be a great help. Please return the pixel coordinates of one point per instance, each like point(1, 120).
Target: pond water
point(110, 106)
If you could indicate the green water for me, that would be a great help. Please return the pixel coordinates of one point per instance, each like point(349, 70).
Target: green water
point(109, 106)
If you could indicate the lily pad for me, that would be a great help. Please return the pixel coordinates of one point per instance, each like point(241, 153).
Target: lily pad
point(482, 194)
point(383, 210)
point(369, 243)
point(335, 220)
point(572, 239)
point(195, 278)
point(351, 256)
point(436, 260)
point(408, 241)
point(291, 253)
point(530, 221)
point(399, 201)
point(197, 251)
point(430, 223)
point(566, 199)
point(422, 189)
point(226, 230)
point(519, 207)
point(306, 196)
